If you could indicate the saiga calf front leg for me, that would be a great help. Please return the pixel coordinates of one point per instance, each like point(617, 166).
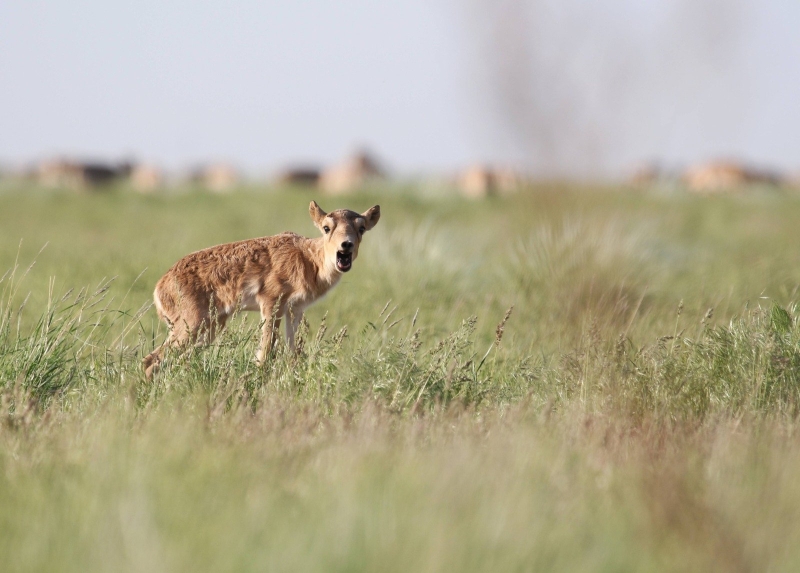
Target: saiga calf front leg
point(294, 316)
point(271, 313)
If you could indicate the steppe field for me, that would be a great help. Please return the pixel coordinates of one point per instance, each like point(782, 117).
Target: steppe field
point(567, 379)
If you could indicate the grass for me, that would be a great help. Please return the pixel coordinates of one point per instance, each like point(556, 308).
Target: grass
point(637, 410)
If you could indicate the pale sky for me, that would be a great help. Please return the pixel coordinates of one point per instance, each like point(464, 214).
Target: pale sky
point(596, 87)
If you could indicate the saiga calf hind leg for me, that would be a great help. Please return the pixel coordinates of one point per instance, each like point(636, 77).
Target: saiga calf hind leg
point(181, 336)
point(178, 336)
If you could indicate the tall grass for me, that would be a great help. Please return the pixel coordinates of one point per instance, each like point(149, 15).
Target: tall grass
point(750, 366)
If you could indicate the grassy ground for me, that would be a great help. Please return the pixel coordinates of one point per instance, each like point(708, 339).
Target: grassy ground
point(638, 409)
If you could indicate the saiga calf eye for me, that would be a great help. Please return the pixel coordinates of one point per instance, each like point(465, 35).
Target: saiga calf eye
point(327, 229)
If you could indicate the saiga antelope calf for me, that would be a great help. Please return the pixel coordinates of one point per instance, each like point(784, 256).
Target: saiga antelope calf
point(278, 276)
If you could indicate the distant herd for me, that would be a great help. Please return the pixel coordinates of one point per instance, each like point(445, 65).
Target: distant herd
point(362, 170)
point(712, 177)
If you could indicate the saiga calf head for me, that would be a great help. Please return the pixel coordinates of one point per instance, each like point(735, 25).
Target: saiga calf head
point(342, 231)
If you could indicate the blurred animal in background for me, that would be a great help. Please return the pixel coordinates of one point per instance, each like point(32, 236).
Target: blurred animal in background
point(298, 176)
point(717, 176)
point(279, 276)
point(218, 177)
point(80, 174)
point(483, 181)
point(355, 172)
point(146, 178)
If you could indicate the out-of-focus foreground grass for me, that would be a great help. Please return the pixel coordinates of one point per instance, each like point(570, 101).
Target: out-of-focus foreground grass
point(637, 411)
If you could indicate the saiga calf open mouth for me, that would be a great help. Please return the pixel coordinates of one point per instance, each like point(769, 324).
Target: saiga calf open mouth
point(344, 261)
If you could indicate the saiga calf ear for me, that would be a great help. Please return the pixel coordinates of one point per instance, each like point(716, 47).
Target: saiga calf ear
point(317, 214)
point(371, 216)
